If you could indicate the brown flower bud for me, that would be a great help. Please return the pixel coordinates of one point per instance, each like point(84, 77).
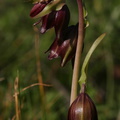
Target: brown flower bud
point(37, 8)
point(82, 108)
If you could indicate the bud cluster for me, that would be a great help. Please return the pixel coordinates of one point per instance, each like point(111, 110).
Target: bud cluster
point(55, 14)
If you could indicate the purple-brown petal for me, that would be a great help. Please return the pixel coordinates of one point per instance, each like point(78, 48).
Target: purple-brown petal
point(62, 20)
point(47, 21)
point(37, 8)
point(64, 47)
point(54, 50)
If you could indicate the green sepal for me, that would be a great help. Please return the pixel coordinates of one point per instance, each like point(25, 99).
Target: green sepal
point(69, 50)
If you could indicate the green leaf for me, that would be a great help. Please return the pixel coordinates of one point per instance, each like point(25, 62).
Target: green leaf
point(83, 77)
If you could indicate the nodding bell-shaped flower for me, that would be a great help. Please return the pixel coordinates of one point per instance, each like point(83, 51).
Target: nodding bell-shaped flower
point(82, 108)
point(66, 46)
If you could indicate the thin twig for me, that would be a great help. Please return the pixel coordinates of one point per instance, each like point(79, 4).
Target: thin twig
point(17, 108)
point(78, 52)
point(35, 84)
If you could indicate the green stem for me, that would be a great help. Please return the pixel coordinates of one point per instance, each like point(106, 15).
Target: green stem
point(78, 52)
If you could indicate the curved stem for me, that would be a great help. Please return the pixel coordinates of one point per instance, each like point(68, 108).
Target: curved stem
point(78, 52)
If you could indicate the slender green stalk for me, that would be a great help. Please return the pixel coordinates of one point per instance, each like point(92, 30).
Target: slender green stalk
point(78, 52)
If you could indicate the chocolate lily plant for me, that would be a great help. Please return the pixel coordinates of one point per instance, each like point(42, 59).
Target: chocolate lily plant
point(68, 44)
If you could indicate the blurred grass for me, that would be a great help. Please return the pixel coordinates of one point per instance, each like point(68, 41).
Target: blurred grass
point(17, 53)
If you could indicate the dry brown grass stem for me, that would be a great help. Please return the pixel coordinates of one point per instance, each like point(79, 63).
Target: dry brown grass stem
point(39, 75)
point(38, 61)
point(17, 107)
point(35, 84)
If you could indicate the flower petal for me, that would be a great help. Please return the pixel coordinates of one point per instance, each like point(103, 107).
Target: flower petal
point(37, 8)
point(64, 47)
point(62, 20)
point(48, 22)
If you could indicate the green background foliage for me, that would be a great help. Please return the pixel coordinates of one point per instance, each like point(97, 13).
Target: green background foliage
point(17, 53)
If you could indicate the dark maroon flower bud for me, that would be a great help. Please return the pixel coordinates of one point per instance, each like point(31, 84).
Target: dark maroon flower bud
point(37, 8)
point(82, 108)
point(66, 46)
